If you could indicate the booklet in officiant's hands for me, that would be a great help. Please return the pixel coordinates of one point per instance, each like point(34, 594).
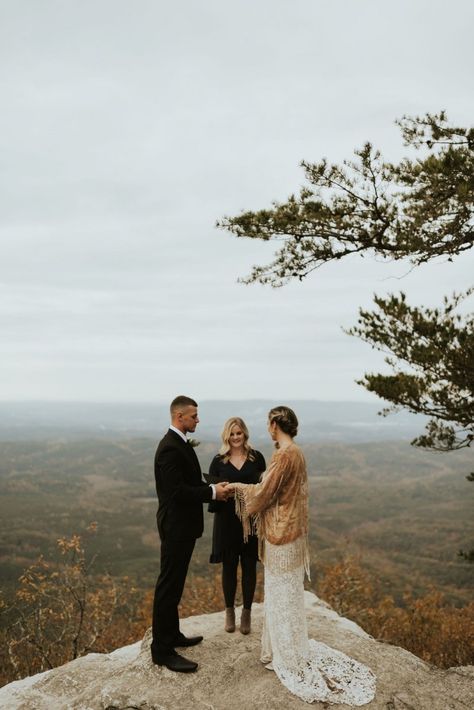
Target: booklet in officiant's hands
point(211, 479)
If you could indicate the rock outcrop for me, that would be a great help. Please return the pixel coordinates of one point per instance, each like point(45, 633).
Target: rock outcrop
point(230, 676)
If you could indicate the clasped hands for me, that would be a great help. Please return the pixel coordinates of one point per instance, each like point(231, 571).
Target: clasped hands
point(224, 490)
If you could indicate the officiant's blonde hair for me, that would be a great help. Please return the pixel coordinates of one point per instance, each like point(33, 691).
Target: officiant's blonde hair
point(224, 451)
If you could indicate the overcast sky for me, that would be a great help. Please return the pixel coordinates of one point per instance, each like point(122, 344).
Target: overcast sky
point(128, 128)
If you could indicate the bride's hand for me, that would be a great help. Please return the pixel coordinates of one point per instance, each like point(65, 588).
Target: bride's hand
point(230, 490)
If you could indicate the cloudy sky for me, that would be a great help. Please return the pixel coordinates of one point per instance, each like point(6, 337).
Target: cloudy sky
point(128, 128)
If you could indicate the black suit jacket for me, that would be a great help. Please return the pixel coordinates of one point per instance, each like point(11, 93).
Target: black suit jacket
point(180, 488)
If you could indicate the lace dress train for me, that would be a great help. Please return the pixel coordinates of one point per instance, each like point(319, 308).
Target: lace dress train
point(311, 670)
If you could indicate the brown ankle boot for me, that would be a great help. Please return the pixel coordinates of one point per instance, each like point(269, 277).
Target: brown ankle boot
point(245, 621)
point(230, 619)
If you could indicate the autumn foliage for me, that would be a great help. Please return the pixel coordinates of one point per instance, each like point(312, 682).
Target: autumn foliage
point(429, 627)
point(62, 610)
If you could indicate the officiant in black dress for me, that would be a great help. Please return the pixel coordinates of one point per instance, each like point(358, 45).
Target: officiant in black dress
point(235, 462)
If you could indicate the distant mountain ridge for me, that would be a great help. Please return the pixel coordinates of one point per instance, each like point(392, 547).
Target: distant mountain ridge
point(319, 420)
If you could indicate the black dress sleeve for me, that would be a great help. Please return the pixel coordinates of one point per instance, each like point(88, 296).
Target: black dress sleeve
point(260, 461)
point(214, 467)
point(214, 470)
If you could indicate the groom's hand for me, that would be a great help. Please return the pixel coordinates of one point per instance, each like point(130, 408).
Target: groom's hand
point(221, 492)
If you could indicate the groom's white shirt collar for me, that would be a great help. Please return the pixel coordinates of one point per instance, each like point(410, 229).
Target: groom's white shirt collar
point(179, 432)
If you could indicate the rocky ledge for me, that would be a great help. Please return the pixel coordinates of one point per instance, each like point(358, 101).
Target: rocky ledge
point(231, 677)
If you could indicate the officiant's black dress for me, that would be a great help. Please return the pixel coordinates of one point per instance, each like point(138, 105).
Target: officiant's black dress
point(227, 535)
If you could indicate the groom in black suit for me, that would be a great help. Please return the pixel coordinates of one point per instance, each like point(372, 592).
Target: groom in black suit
point(181, 493)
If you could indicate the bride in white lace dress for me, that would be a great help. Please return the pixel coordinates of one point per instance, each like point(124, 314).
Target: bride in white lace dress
point(277, 509)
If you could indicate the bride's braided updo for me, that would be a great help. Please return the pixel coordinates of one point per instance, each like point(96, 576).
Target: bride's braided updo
point(285, 418)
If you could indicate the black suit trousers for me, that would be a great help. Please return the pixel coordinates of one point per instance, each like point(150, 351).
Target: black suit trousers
point(175, 558)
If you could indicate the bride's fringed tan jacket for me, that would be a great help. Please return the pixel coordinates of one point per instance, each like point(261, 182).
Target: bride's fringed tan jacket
point(276, 509)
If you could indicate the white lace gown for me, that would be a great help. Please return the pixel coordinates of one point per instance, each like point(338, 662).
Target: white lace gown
point(311, 670)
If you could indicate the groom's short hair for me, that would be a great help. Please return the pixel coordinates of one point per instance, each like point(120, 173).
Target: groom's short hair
point(181, 402)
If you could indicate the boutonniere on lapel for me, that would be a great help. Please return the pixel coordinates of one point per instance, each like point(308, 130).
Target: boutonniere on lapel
point(193, 442)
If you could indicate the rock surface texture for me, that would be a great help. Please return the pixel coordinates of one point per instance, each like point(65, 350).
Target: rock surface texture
point(231, 677)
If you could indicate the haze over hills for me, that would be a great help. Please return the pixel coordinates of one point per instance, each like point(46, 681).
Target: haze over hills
point(407, 512)
point(319, 421)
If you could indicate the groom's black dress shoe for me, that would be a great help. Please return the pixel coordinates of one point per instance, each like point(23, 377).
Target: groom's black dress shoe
point(175, 662)
point(187, 641)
